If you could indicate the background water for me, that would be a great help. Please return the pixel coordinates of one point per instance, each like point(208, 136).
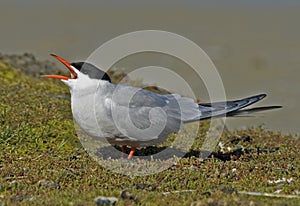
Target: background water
point(255, 46)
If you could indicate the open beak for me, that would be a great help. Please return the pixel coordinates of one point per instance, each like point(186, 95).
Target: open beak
point(68, 65)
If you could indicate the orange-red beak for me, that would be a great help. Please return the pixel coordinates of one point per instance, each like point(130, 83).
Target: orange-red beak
point(68, 65)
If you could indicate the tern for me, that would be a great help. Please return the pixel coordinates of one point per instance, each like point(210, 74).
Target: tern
point(129, 116)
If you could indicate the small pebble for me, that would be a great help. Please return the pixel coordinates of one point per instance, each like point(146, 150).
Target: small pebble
point(228, 191)
point(143, 186)
point(48, 183)
point(127, 195)
point(101, 200)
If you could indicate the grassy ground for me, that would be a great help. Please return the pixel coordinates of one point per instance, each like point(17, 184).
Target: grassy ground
point(43, 163)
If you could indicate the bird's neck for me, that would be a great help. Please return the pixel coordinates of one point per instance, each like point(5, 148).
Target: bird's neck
point(85, 88)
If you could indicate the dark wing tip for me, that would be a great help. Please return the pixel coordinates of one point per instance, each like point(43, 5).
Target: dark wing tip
point(259, 96)
point(255, 98)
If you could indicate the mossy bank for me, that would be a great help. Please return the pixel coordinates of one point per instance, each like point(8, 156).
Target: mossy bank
point(42, 162)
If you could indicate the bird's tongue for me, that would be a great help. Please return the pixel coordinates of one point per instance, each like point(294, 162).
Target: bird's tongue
point(68, 65)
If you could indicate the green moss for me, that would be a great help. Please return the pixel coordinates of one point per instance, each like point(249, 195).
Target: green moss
point(38, 143)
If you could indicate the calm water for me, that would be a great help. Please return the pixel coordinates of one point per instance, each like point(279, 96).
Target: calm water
point(255, 48)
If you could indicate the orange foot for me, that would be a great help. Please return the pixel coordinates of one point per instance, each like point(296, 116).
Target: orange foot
point(131, 153)
point(132, 150)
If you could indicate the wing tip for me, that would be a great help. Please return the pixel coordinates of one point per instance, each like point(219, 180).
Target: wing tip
point(261, 96)
point(257, 97)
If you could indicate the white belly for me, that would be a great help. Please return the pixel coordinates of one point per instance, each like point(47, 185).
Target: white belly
point(92, 117)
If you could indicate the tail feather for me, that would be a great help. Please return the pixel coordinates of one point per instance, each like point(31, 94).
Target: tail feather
point(230, 108)
point(250, 112)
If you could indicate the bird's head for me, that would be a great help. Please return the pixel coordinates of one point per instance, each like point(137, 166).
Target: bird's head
point(80, 72)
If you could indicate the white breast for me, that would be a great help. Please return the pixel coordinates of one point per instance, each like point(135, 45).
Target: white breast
point(91, 111)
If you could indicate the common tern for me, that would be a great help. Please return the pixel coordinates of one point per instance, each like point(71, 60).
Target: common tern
point(129, 116)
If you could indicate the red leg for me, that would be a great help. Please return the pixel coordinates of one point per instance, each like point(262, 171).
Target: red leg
point(131, 153)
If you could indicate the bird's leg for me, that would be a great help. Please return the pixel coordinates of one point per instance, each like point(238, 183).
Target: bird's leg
point(123, 151)
point(131, 152)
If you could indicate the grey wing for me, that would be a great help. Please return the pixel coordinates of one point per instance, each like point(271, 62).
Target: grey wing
point(143, 115)
point(209, 110)
point(137, 97)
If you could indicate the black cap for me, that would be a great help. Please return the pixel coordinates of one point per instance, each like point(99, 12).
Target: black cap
point(92, 71)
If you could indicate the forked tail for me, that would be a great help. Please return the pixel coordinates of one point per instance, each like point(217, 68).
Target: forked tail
point(231, 108)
